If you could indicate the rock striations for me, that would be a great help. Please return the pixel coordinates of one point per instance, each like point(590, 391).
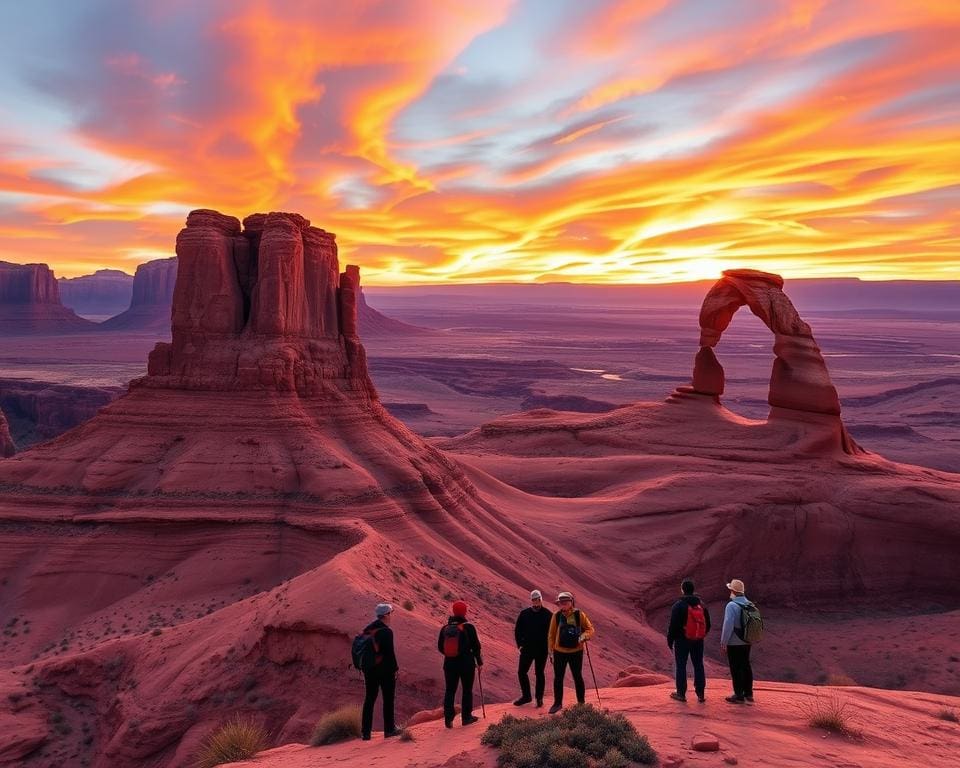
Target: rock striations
point(149, 304)
point(30, 302)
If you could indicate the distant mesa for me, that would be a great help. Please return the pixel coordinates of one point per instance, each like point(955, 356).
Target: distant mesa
point(800, 385)
point(30, 302)
point(150, 299)
point(376, 325)
point(104, 293)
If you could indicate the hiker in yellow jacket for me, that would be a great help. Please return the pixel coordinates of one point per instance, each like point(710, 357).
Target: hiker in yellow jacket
point(569, 630)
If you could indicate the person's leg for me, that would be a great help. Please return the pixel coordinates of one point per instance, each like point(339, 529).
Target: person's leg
point(539, 666)
point(523, 674)
point(747, 673)
point(735, 653)
point(681, 649)
point(699, 674)
point(372, 687)
point(576, 669)
point(559, 669)
point(389, 686)
point(466, 698)
point(451, 678)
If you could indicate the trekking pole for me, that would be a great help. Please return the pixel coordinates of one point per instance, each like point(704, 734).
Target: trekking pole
point(594, 674)
point(483, 709)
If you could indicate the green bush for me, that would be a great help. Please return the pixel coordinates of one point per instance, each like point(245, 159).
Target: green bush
point(581, 736)
point(239, 739)
point(339, 725)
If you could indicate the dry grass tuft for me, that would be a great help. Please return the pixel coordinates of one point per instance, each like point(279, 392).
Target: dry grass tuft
point(239, 739)
point(950, 715)
point(339, 725)
point(839, 679)
point(832, 713)
point(406, 735)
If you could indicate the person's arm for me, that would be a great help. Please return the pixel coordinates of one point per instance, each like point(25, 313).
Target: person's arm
point(387, 650)
point(677, 620)
point(586, 628)
point(440, 640)
point(729, 621)
point(516, 631)
point(552, 634)
point(475, 644)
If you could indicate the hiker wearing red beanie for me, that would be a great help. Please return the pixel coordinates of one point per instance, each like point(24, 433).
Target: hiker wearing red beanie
point(460, 646)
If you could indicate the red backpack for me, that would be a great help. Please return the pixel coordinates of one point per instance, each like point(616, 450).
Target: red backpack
point(454, 640)
point(696, 626)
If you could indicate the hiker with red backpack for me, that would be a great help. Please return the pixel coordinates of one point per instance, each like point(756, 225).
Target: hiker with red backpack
point(570, 629)
point(742, 627)
point(689, 624)
point(373, 654)
point(460, 646)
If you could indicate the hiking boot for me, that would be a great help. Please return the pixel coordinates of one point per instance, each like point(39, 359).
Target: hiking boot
point(448, 723)
point(735, 699)
point(748, 699)
point(522, 700)
point(678, 697)
point(701, 698)
point(470, 719)
point(389, 734)
point(365, 737)
point(539, 702)
point(555, 708)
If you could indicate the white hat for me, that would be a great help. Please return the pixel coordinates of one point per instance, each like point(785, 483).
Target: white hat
point(564, 596)
point(383, 609)
point(535, 595)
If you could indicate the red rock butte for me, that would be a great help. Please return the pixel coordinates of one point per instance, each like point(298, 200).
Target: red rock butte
point(30, 302)
point(151, 299)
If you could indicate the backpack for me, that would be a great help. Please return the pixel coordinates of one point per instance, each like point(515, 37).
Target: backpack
point(751, 624)
point(454, 640)
point(568, 635)
point(365, 650)
point(696, 626)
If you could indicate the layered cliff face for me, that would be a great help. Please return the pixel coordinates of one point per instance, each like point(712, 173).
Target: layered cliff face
point(7, 446)
point(102, 294)
point(30, 302)
point(149, 304)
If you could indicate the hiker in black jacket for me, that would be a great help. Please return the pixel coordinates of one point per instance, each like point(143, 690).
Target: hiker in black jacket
point(383, 675)
point(460, 646)
point(530, 633)
point(689, 624)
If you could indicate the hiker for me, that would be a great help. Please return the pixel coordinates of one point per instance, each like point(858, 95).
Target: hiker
point(735, 647)
point(460, 646)
point(689, 624)
point(382, 675)
point(530, 632)
point(569, 630)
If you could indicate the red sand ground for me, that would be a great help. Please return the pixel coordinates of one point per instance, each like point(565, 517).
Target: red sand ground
point(897, 730)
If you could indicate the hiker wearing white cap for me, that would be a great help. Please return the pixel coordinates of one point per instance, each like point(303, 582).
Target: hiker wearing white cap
point(569, 630)
point(530, 632)
point(733, 644)
point(380, 673)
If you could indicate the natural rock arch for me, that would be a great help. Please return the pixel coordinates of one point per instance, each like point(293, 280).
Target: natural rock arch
point(799, 379)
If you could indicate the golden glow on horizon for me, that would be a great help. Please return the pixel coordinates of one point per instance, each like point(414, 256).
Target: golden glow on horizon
point(852, 169)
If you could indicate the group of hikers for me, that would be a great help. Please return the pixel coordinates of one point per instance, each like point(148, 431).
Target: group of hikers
point(561, 637)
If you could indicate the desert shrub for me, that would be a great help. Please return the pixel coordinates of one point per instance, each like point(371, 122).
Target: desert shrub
point(580, 736)
point(406, 735)
point(831, 713)
point(408, 605)
point(338, 725)
point(239, 739)
point(949, 715)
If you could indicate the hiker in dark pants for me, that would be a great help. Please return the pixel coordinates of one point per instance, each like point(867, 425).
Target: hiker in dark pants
point(689, 624)
point(569, 629)
point(382, 677)
point(530, 632)
point(735, 647)
point(460, 646)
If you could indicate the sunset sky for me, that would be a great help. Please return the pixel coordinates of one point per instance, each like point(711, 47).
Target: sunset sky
point(443, 141)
